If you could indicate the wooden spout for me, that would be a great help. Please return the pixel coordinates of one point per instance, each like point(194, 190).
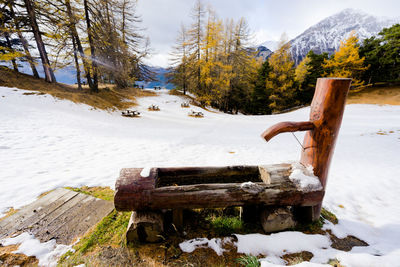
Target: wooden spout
point(287, 126)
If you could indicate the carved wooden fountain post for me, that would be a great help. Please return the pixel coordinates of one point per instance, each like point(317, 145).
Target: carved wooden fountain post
point(326, 114)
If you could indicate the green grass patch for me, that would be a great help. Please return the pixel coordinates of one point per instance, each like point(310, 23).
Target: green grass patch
point(315, 227)
point(248, 261)
point(110, 231)
point(224, 225)
point(105, 193)
point(329, 216)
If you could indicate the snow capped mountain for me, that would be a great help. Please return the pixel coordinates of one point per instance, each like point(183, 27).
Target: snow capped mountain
point(326, 35)
point(270, 44)
point(263, 52)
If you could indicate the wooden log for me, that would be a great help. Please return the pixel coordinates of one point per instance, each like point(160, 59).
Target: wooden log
point(145, 226)
point(326, 114)
point(274, 219)
point(134, 192)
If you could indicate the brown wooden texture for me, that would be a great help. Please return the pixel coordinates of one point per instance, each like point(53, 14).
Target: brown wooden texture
point(62, 215)
point(287, 126)
point(134, 192)
point(326, 114)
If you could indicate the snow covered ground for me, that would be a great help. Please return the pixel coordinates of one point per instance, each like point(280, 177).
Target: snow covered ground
point(47, 143)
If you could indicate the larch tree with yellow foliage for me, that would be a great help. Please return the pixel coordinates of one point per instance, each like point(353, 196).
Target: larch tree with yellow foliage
point(346, 61)
point(281, 79)
point(215, 73)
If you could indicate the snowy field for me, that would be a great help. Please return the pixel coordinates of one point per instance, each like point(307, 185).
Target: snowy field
point(47, 143)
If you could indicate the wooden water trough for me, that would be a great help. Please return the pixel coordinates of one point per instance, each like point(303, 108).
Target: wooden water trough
point(148, 191)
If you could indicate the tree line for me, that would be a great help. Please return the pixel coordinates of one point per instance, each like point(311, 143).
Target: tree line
point(213, 61)
point(102, 39)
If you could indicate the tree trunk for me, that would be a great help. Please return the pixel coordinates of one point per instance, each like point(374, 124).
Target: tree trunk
point(9, 45)
point(24, 43)
point(75, 35)
point(95, 85)
point(49, 75)
point(78, 69)
point(28, 54)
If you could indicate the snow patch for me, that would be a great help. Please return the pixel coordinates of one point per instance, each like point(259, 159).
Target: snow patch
point(304, 177)
point(193, 244)
point(145, 172)
point(47, 253)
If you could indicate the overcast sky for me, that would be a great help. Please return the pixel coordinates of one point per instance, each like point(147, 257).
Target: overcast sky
point(267, 19)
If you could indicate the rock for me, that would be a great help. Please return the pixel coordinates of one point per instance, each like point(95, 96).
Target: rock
point(145, 226)
point(274, 219)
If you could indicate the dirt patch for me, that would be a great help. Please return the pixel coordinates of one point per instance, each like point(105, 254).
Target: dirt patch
point(7, 258)
point(296, 258)
point(376, 95)
point(347, 243)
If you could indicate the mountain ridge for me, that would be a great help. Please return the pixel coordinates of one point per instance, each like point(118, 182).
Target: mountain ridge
point(326, 35)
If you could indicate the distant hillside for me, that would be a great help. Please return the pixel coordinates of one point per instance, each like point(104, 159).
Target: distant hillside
point(161, 79)
point(67, 75)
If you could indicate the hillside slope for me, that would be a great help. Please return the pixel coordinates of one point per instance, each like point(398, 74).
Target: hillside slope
point(107, 98)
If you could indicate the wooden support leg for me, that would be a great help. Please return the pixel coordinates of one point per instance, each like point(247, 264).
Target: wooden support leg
point(274, 219)
point(307, 214)
point(177, 218)
point(145, 226)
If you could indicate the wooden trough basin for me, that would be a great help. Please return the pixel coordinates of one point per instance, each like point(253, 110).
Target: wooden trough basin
point(147, 192)
point(211, 187)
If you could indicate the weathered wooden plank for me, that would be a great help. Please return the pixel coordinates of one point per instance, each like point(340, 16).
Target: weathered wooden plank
point(62, 215)
point(45, 211)
point(56, 218)
point(31, 212)
point(77, 223)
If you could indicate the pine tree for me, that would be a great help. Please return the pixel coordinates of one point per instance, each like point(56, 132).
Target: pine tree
point(260, 96)
point(346, 61)
point(382, 55)
point(314, 71)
